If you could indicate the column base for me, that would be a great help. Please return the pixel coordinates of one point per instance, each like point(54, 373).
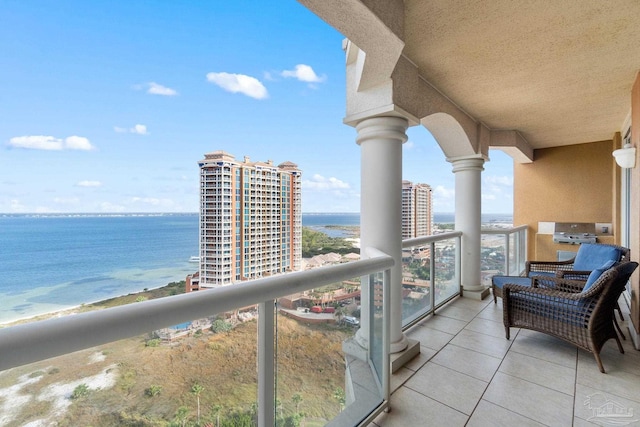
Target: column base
point(398, 360)
point(478, 295)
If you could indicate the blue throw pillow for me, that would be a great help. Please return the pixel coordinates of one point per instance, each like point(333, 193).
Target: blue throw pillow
point(595, 274)
point(591, 256)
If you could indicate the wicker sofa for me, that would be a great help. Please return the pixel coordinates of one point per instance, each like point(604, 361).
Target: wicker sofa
point(581, 318)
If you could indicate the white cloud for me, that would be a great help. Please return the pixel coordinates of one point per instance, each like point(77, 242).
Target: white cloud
point(137, 129)
point(318, 182)
point(16, 206)
point(157, 89)
point(443, 192)
point(499, 180)
point(110, 207)
point(408, 145)
point(304, 73)
point(241, 83)
point(66, 200)
point(87, 183)
point(443, 199)
point(152, 201)
point(50, 143)
point(78, 143)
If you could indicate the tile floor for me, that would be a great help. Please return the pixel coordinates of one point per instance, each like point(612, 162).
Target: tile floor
point(468, 374)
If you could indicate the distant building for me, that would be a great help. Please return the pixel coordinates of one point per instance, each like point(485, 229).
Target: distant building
point(250, 219)
point(417, 210)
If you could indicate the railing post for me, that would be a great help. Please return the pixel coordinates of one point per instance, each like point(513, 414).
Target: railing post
point(432, 274)
point(459, 263)
point(507, 272)
point(386, 335)
point(266, 364)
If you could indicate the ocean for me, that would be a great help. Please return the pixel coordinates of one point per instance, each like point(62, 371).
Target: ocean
point(49, 263)
point(54, 262)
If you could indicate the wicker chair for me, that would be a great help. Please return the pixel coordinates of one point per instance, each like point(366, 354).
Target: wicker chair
point(578, 264)
point(588, 258)
point(582, 319)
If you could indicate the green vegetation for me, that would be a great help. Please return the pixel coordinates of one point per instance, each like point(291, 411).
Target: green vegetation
point(165, 385)
point(220, 326)
point(317, 243)
point(80, 391)
point(153, 390)
point(154, 342)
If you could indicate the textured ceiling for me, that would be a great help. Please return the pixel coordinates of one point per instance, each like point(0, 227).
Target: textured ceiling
point(560, 72)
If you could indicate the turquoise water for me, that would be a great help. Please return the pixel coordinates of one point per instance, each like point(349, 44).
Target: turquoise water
point(52, 262)
point(48, 263)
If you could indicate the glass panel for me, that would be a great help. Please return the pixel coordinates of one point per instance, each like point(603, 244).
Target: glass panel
point(513, 254)
point(204, 369)
point(492, 256)
point(322, 374)
point(376, 321)
point(445, 283)
point(416, 282)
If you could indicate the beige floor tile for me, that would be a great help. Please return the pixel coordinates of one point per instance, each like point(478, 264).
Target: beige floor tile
point(459, 391)
point(591, 405)
point(530, 400)
point(489, 415)
point(615, 381)
point(545, 347)
point(410, 408)
point(418, 362)
point(487, 327)
point(541, 372)
point(460, 313)
point(400, 377)
point(429, 338)
point(491, 346)
point(446, 324)
point(469, 362)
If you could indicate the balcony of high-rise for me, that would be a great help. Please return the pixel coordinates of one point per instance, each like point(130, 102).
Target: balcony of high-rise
point(554, 85)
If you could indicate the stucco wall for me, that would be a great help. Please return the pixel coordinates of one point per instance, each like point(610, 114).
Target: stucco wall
point(634, 222)
point(565, 184)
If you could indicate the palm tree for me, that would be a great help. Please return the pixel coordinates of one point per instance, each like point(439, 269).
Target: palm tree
point(216, 411)
point(197, 389)
point(296, 399)
point(181, 415)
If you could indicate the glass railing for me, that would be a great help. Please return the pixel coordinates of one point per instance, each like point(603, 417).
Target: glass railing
point(191, 359)
point(430, 274)
point(503, 252)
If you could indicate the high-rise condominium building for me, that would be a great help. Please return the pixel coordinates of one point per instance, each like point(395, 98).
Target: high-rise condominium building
point(250, 219)
point(417, 213)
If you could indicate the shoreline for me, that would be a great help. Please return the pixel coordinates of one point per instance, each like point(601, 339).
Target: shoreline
point(99, 304)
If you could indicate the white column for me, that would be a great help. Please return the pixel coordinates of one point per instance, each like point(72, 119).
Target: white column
point(380, 140)
point(467, 171)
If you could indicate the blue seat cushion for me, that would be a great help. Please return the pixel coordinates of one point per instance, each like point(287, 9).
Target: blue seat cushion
point(591, 256)
point(596, 273)
point(500, 281)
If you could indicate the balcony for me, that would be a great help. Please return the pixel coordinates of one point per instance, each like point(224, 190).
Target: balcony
point(466, 372)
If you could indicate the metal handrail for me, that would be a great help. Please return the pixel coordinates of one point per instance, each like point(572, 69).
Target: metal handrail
point(35, 341)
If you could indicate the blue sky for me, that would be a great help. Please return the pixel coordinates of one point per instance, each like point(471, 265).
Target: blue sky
point(108, 106)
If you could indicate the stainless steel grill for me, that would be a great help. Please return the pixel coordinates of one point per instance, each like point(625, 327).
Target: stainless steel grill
point(574, 233)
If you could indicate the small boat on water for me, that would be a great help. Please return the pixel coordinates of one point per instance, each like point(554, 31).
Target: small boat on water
point(194, 258)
